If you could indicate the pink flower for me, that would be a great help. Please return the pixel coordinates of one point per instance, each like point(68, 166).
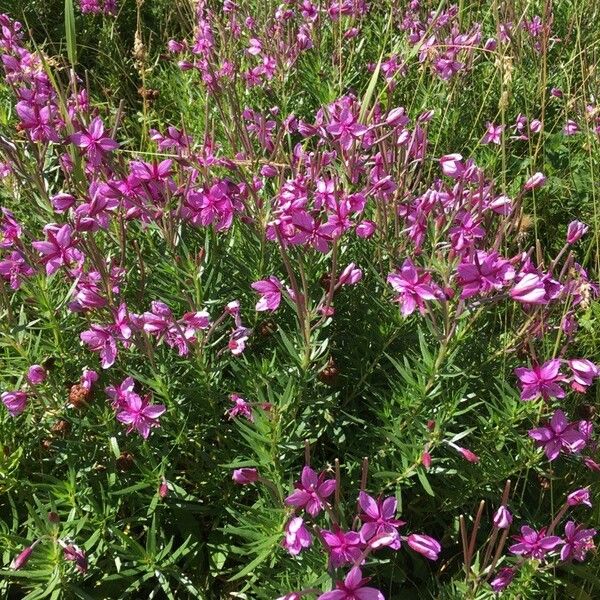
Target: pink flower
point(74, 553)
point(270, 290)
point(576, 231)
point(571, 128)
point(535, 126)
point(59, 248)
point(536, 181)
point(425, 545)
point(534, 544)
point(493, 134)
point(353, 588)
point(15, 402)
point(14, 269)
point(241, 407)
point(343, 547)
point(559, 434)
point(581, 496)
point(93, 141)
point(502, 518)
point(578, 542)
point(350, 275)
point(311, 491)
point(345, 128)
point(541, 381)
point(529, 289)
point(296, 536)
point(100, 339)
point(414, 287)
point(163, 489)
point(365, 229)
point(452, 165)
point(483, 272)
point(245, 476)
point(584, 372)
point(139, 414)
point(379, 519)
point(36, 374)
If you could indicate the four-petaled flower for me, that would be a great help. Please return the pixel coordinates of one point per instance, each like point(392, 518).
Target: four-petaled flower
point(379, 520)
point(534, 544)
point(353, 588)
point(311, 492)
point(414, 287)
point(541, 380)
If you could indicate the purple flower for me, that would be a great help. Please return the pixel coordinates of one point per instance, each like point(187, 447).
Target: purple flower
point(425, 545)
point(584, 372)
point(100, 339)
point(270, 291)
point(350, 275)
point(576, 231)
point(379, 519)
point(557, 435)
point(503, 579)
point(571, 128)
point(93, 141)
point(534, 544)
point(578, 542)
point(311, 491)
point(365, 229)
point(59, 248)
point(483, 272)
point(241, 407)
point(536, 181)
point(14, 268)
point(493, 134)
point(15, 402)
point(345, 128)
point(77, 555)
point(581, 496)
point(414, 287)
point(502, 518)
point(529, 289)
point(343, 546)
point(452, 165)
point(352, 588)
point(296, 536)
point(139, 414)
point(541, 381)
point(245, 476)
point(36, 374)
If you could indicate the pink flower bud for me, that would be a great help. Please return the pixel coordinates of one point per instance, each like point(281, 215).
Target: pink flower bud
point(536, 181)
point(36, 374)
point(426, 459)
point(469, 455)
point(503, 579)
point(245, 476)
point(576, 231)
point(21, 560)
point(502, 518)
point(535, 126)
point(577, 497)
point(365, 229)
point(425, 545)
point(163, 489)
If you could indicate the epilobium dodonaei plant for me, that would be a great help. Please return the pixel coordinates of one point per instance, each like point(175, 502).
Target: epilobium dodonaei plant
point(248, 229)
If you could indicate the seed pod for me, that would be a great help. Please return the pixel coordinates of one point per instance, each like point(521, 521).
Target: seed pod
point(78, 396)
point(61, 428)
point(125, 462)
point(329, 375)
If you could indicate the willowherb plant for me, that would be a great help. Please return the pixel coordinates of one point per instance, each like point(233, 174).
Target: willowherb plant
point(213, 270)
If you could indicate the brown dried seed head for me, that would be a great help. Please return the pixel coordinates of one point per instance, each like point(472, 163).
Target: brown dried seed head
point(126, 461)
point(78, 396)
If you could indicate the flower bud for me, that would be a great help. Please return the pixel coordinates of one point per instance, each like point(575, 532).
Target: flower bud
point(245, 476)
point(502, 518)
